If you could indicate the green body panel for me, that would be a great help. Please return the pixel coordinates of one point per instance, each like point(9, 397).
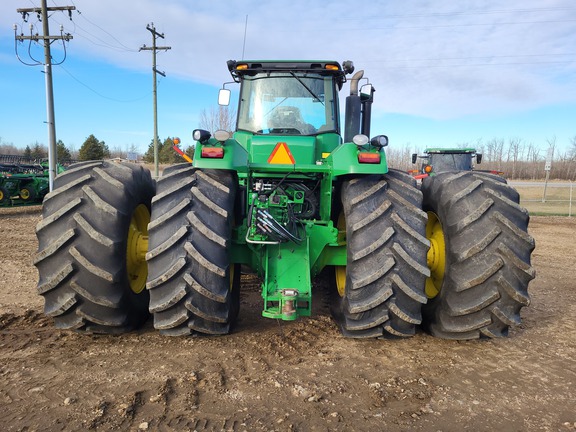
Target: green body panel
point(289, 265)
point(344, 161)
point(286, 222)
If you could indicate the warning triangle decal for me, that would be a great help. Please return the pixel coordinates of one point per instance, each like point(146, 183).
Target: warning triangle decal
point(281, 155)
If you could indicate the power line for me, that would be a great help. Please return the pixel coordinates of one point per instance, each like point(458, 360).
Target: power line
point(47, 39)
point(468, 13)
point(125, 48)
point(100, 94)
point(436, 66)
point(391, 62)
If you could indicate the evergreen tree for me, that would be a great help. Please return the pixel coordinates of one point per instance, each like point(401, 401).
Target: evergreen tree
point(168, 155)
point(93, 149)
point(149, 155)
point(62, 152)
point(27, 152)
point(190, 151)
point(38, 151)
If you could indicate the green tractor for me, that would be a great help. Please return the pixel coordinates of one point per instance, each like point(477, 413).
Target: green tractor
point(23, 181)
point(438, 160)
point(285, 195)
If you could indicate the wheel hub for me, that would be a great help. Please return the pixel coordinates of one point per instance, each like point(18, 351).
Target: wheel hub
point(137, 248)
point(436, 257)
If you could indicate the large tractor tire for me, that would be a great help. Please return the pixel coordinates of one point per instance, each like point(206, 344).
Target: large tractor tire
point(4, 195)
point(92, 247)
point(381, 289)
point(194, 289)
point(479, 256)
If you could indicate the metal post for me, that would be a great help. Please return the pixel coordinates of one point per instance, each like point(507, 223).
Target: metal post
point(570, 205)
point(52, 153)
point(155, 107)
point(155, 48)
point(546, 185)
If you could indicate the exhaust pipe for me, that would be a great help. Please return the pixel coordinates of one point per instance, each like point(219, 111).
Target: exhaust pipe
point(353, 109)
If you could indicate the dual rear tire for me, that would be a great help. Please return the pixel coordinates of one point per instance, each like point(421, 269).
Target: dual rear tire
point(193, 287)
point(480, 274)
point(88, 259)
point(380, 292)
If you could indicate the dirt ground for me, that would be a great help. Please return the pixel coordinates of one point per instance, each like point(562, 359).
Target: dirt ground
point(300, 376)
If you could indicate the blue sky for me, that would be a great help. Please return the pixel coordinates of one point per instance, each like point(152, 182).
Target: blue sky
point(446, 72)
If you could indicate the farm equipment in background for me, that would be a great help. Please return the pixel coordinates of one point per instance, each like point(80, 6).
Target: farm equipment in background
point(287, 195)
point(439, 160)
point(23, 181)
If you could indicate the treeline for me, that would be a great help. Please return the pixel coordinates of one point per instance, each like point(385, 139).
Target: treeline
point(94, 149)
point(518, 159)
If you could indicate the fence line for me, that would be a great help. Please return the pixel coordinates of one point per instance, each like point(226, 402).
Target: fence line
point(555, 198)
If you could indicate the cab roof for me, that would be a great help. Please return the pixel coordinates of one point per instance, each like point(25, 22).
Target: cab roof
point(238, 69)
point(450, 150)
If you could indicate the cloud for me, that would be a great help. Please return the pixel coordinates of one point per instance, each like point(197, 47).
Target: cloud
point(433, 59)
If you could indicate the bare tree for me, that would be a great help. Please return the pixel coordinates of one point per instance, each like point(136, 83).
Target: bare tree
point(220, 118)
point(572, 150)
point(514, 148)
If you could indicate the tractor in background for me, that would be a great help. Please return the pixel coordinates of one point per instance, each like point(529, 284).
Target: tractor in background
point(438, 160)
point(23, 181)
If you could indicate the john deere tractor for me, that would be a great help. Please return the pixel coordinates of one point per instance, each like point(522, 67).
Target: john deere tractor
point(288, 195)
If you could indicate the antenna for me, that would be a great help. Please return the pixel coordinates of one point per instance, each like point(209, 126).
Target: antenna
point(244, 43)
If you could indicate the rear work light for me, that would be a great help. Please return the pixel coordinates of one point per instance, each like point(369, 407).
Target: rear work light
point(371, 158)
point(213, 152)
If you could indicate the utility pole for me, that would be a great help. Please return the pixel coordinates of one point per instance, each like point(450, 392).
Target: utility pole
point(47, 39)
point(150, 27)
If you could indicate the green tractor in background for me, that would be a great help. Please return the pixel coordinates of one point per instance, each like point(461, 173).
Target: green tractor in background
point(23, 181)
point(448, 159)
point(288, 196)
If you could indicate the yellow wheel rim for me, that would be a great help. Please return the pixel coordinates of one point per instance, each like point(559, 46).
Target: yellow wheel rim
point(340, 271)
point(436, 255)
point(24, 194)
point(137, 248)
point(1, 195)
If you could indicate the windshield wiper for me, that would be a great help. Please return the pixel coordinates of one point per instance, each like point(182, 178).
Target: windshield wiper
point(306, 87)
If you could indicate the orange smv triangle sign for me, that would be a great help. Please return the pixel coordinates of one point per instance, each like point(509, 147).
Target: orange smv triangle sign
point(281, 155)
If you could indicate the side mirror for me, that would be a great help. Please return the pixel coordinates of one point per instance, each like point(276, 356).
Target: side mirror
point(224, 97)
point(478, 158)
point(366, 92)
point(414, 157)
